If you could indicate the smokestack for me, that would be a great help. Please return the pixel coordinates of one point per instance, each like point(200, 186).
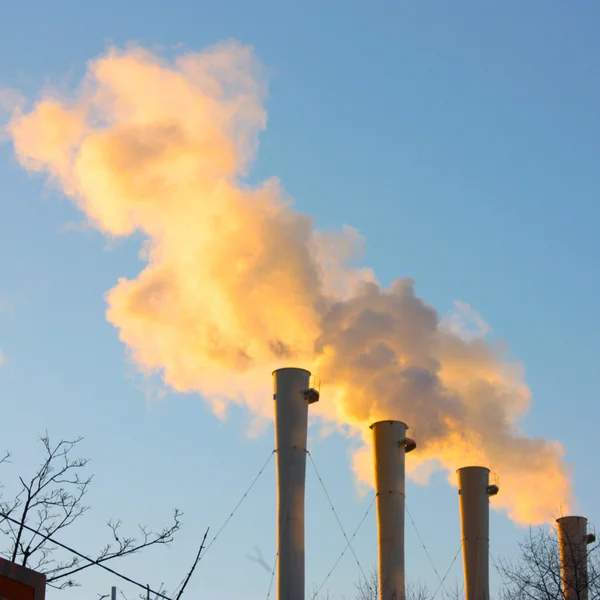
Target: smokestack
point(292, 397)
point(390, 444)
point(474, 490)
point(573, 539)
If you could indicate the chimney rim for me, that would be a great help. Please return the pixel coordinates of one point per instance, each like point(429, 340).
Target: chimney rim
point(390, 421)
point(478, 467)
point(291, 369)
point(570, 517)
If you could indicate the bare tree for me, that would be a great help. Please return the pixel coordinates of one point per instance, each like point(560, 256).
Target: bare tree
point(417, 591)
point(368, 588)
point(536, 574)
point(52, 500)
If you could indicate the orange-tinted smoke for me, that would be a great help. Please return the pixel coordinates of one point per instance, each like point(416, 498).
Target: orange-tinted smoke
point(237, 282)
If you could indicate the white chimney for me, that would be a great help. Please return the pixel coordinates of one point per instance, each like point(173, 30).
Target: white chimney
point(573, 539)
point(292, 397)
point(390, 444)
point(474, 490)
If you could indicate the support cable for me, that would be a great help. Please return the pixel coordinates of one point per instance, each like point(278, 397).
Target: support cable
point(214, 539)
point(231, 514)
point(425, 548)
point(448, 571)
point(272, 575)
point(285, 514)
point(346, 548)
point(349, 544)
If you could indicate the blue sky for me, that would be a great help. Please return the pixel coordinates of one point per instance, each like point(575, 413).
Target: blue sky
point(460, 139)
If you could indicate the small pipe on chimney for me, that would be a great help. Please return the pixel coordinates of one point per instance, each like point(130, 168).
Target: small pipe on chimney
point(390, 445)
point(292, 395)
point(573, 540)
point(474, 490)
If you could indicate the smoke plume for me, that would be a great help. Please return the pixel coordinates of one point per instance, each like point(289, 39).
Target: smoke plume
point(237, 282)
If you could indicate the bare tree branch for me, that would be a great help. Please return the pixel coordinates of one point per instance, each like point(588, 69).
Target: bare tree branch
point(536, 573)
point(123, 547)
point(52, 500)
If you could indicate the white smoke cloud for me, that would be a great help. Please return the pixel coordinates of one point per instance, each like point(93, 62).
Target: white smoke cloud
point(237, 282)
point(465, 322)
